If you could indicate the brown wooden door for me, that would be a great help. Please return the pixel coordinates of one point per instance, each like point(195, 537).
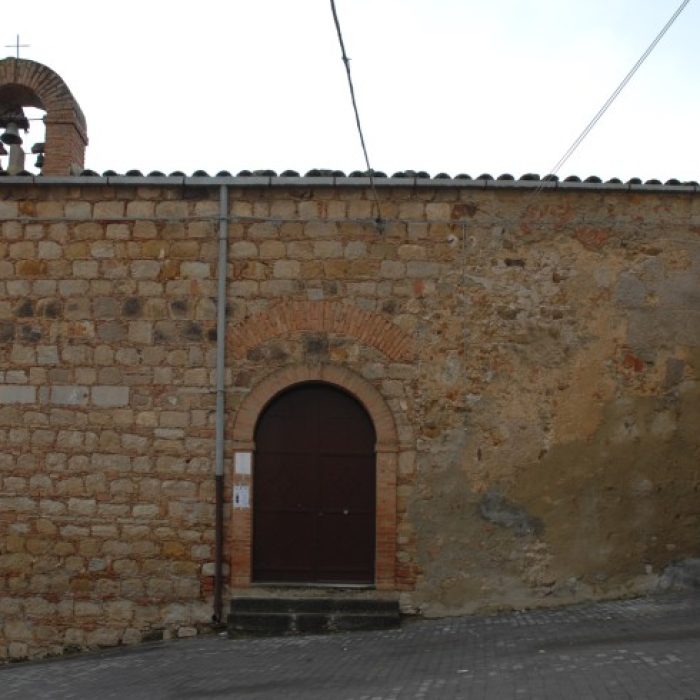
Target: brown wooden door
point(314, 489)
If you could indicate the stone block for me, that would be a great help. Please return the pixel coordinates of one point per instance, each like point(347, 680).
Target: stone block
point(140, 210)
point(416, 269)
point(17, 394)
point(321, 229)
point(411, 251)
point(102, 249)
point(145, 269)
point(243, 249)
point(286, 269)
point(145, 230)
point(17, 650)
point(145, 511)
point(111, 331)
point(392, 269)
point(23, 355)
point(111, 209)
point(47, 355)
point(265, 229)
point(50, 250)
point(110, 396)
point(106, 308)
point(171, 210)
point(141, 332)
point(8, 210)
point(103, 637)
point(117, 232)
point(195, 269)
point(69, 395)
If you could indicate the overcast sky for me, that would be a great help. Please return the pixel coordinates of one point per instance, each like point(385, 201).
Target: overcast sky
point(456, 86)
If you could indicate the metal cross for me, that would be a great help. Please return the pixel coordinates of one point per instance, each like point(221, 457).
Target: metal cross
point(17, 46)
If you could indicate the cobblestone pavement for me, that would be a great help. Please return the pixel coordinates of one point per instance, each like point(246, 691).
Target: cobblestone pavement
point(645, 648)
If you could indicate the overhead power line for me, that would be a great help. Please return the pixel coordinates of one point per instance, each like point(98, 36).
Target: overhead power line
point(570, 151)
point(346, 61)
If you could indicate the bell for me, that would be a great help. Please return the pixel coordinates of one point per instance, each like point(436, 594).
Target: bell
point(11, 135)
point(39, 163)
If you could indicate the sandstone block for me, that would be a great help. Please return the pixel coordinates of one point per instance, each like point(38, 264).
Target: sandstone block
point(70, 288)
point(106, 308)
point(119, 610)
point(145, 511)
point(102, 249)
point(145, 269)
point(263, 230)
point(411, 251)
point(17, 394)
point(47, 354)
point(117, 232)
point(140, 209)
point(17, 650)
point(243, 249)
point(111, 331)
point(69, 395)
point(145, 229)
point(103, 637)
point(23, 355)
point(286, 269)
point(8, 210)
point(417, 269)
point(50, 250)
point(110, 396)
point(82, 506)
point(141, 332)
point(171, 210)
point(112, 209)
point(321, 229)
point(199, 270)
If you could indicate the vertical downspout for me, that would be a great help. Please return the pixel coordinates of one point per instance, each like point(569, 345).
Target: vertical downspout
point(220, 393)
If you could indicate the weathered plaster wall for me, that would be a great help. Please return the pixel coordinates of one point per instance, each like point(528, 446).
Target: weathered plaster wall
point(539, 354)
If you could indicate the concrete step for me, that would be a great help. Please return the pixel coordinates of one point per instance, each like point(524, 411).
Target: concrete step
point(278, 616)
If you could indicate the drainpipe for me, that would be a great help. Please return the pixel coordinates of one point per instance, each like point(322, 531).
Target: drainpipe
point(220, 389)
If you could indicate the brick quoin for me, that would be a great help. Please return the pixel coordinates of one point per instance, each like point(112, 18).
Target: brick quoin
point(32, 84)
point(388, 449)
point(331, 317)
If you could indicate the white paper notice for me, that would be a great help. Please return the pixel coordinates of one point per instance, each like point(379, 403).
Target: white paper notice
point(241, 497)
point(242, 462)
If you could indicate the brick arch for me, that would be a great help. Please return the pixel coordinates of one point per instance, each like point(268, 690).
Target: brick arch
point(261, 395)
point(289, 317)
point(388, 449)
point(30, 84)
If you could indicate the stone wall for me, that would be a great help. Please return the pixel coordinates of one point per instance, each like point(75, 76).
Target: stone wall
point(538, 355)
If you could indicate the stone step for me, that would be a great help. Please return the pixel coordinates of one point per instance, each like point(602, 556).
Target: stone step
point(279, 616)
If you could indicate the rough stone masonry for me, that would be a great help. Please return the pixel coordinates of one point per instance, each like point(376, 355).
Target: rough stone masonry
point(536, 357)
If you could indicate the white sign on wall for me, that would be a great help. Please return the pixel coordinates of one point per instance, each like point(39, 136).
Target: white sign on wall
point(242, 462)
point(241, 497)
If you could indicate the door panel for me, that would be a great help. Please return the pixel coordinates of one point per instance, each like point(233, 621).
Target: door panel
point(314, 489)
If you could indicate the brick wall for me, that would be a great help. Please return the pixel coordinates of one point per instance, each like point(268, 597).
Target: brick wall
point(535, 357)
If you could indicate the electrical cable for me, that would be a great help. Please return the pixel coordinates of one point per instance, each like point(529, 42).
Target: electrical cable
point(346, 61)
point(577, 142)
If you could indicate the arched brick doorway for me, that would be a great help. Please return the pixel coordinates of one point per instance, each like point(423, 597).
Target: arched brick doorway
point(314, 488)
point(386, 452)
